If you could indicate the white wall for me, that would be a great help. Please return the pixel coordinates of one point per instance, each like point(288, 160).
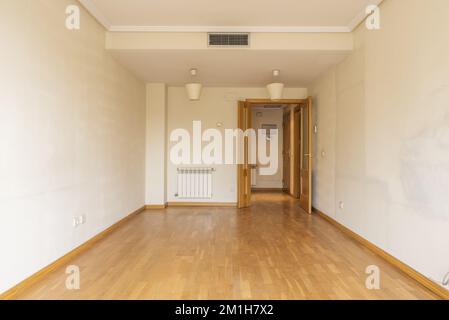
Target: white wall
point(216, 105)
point(271, 117)
point(72, 136)
point(383, 122)
point(156, 143)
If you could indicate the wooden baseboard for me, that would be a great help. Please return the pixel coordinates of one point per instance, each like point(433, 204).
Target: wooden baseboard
point(13, 292)
point(155, 206)
point(203, 204)
point(412, 273)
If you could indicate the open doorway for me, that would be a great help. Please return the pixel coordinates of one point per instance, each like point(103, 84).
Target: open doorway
point(269, 119)
point(292, 119)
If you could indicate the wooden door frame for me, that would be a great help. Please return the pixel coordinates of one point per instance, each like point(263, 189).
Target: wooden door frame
point(250, 103)
point(286, 174)
point(309, 106)
point(243, 172)
point(297, 115)
point(282, 101)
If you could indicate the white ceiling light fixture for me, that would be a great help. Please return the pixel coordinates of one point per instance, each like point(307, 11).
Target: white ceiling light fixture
point(275, 89)
point(194, 88)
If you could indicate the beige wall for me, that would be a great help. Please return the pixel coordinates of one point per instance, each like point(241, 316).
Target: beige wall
point(156, 142)
point(383, 122)
point(72, 136)
point(216, 105)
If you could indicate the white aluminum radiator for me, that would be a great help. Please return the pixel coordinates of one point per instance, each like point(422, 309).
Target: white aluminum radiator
point(195, 183)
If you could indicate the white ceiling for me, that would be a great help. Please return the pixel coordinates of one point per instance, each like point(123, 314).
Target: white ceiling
point(228, 67)
point(229, 15)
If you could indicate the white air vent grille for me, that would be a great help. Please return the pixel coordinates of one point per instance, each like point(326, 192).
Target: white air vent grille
point(228, 39)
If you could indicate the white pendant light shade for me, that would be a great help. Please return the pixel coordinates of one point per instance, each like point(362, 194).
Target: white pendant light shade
point(194, 91)
point(275, 90)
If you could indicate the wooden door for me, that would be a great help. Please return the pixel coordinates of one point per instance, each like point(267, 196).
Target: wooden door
point(297, 153)
point(244, 170)
point(306, 157)
point(286, 152)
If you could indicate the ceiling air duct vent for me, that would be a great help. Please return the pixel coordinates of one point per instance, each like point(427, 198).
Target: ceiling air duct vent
point(228, 39)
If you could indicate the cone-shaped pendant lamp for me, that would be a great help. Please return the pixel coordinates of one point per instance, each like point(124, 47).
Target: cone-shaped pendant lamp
point(194, 89)
point(275, 89)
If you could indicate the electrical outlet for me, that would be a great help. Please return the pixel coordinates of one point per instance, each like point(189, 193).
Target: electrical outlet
point(446, 280)
point(79, 220)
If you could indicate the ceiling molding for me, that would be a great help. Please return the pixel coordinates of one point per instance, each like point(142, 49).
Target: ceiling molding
point(254, 29)
point(95, 12)
point(354, 23)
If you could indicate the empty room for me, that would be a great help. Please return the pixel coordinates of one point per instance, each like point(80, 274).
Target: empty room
point(224, 151)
